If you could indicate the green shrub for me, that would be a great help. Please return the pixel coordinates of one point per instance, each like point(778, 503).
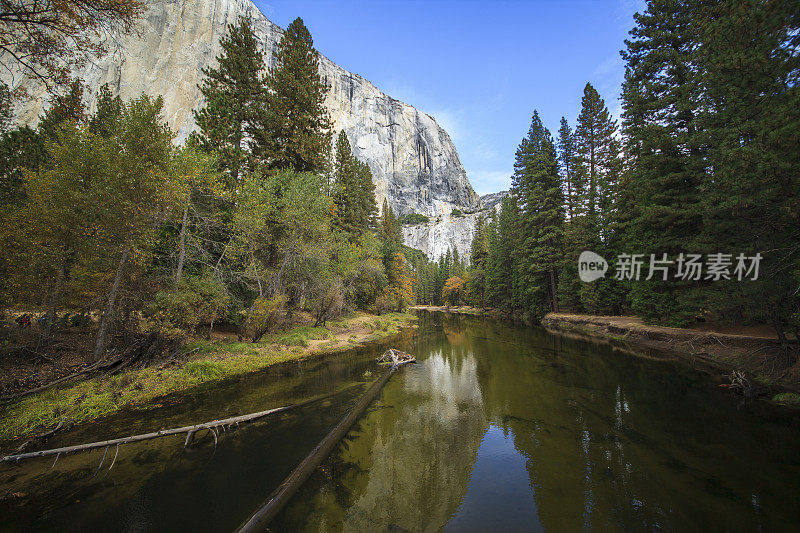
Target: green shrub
point(266, 316)
point(456, 213)
point(195, 300)
point(788, 398)
point(413, 218)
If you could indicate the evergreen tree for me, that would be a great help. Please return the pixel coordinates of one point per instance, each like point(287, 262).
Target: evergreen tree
point(24, 148)
point(234, 92)
point(6, 108)
point(108, 111)
point(660, 100)
point(503, 236)
point(537, 187)
point(750, 118)
point(566, 161)
point(354, 191)
point(390, 227)
point(294, 127)
point(597, 158)
point(20, 148)
point(65, 107)
point(597, 162)
point(478, 254)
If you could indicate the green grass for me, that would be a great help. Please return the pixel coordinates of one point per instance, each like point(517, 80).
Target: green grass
point(787, 398)
point(101, 396)
point(763, 380)
point(298, 336)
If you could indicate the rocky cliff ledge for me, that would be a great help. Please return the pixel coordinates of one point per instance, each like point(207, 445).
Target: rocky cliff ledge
point(449, 232)
point(413, 160)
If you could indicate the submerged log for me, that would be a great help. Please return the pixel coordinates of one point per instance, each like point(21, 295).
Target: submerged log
point(259, 521)
point(189, 430)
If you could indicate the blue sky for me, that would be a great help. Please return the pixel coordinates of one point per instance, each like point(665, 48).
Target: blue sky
point(479, 68)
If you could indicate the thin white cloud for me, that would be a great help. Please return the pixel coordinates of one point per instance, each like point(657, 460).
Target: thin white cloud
point(485, 181)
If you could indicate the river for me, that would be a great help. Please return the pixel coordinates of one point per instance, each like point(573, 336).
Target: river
point(499, 427)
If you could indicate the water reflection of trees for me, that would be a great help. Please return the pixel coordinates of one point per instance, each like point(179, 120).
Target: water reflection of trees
point(615, 441)
point(610, 441)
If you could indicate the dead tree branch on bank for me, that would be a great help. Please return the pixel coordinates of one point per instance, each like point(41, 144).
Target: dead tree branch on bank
point(189, 430)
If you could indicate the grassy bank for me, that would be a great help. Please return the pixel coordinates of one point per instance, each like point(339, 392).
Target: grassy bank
point(210, 360)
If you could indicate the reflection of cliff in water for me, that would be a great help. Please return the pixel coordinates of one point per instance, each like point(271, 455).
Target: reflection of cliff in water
point(407, 465)
point(514, 429)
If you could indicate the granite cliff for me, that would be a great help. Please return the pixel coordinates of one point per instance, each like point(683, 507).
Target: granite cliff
point(413, 161)
point(450, 232)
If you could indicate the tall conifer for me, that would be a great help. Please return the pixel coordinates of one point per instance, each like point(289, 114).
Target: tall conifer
point(233, 92)
point(537, 186)
point(294, 126)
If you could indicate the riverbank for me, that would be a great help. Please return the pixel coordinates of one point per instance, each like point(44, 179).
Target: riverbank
point(758, 356)
point(461, 310)
point(207, 360)
point(757, 353)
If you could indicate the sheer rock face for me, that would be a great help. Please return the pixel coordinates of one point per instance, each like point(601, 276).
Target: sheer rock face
point(442, 233)
point(448, 232)
point(413, 161)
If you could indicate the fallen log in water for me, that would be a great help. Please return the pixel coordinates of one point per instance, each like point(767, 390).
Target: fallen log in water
point(259, 520)
point(396, 357)
point(189, 430)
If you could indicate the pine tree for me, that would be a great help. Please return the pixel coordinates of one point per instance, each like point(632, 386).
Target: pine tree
point(65, 107)
point(503, 237)
point(750, 115)
point(390, 227)
point(660, 99)
point(537, 187)
point(566, 160)
point(597, 162)
point(479, 248)
point(234, 92)
point(6, 108)
point(294, 126)
point(354, 191)
point(23, 148)
point(108, 111)
point(597, 157)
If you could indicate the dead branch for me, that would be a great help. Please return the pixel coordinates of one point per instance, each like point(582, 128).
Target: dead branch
point(102, 365)
point(189, 430)
point(260, 519)
point(396, 357)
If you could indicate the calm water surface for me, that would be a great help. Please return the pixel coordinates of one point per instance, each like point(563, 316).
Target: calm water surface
point(499, 427)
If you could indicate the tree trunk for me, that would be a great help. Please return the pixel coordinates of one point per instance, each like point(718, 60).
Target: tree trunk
point(182, 244)
point(776, 323)
point(211, 327)
point(102, 331)
point(44, 337)
point(553, 290)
